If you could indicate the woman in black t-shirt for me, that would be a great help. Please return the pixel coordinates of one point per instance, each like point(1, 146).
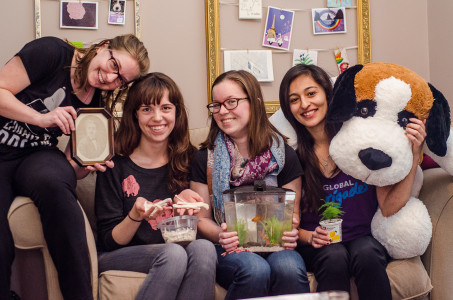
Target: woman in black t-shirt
point(153, 164)
point(40, 89)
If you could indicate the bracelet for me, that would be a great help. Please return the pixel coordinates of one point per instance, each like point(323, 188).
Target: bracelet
point(138, 221)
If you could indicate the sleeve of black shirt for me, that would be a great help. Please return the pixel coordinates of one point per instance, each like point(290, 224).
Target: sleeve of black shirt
point(199, 167)
point(108, 207)
point(292, 168)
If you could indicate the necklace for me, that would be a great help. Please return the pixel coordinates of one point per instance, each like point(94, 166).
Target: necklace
point(87, 95)
point(326, 161)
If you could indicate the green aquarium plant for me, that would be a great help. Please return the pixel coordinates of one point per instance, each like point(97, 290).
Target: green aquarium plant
point(330, 210)
point(240, 228)
point(272, 230)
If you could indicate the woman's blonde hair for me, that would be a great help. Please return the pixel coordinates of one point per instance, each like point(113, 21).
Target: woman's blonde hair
point(129, 43)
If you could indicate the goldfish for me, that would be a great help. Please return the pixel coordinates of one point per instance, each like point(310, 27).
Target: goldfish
point(257, 219)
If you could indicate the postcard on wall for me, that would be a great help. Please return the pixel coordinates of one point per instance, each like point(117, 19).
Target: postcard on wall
point(305, 57)
point(79, 14)
point(278, 28)
point(257, 62)
point(250, 9)
point(329, 20)
point(117, 12)
point(342, 60)
point(338, 3)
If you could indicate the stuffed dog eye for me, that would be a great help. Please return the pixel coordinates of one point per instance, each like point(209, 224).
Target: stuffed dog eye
point(366, 108)
point(403, 118)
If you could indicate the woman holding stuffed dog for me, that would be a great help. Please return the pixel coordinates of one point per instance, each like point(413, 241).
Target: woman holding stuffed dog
point(305, 95)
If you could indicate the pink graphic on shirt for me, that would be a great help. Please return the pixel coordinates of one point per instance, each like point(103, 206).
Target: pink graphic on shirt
point(130, 186)
point(167, 213)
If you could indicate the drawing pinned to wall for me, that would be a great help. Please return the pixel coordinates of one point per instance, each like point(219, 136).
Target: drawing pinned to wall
point(278, 28)
point(305, 57)
point(338, 3)
point(341, 57)
point(117, 12)
point(79, 14)
point(250, 9)
point(329, 20)
point(257, 62)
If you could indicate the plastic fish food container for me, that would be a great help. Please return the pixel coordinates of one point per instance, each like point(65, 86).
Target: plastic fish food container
point(180, 230)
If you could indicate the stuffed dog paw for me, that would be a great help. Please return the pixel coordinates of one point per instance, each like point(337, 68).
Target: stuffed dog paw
point(374, 103)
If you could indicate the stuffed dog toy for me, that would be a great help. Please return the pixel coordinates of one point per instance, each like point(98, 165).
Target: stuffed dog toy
point(374, 103)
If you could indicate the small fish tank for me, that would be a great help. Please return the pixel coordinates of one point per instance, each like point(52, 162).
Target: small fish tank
point(259, 214)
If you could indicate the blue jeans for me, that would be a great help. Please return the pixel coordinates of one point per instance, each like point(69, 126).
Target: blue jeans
point(248, 275)
point(173, 272)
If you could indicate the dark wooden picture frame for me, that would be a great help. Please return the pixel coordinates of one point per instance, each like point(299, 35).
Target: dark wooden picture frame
point(92, 139)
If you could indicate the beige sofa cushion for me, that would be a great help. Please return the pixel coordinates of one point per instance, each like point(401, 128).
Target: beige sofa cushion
point(408, 280)
point(124, 285)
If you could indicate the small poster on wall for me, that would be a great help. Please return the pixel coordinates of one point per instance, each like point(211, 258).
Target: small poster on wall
point(305, 57)
point(79, 14)
point(338, 3)
point(341, 57)
point(329, 20)
point(257, 62)
point(278, 28)
point(117, 11)
point(250, 9)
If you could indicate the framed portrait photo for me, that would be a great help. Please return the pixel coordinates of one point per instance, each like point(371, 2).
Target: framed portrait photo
point(92, 139)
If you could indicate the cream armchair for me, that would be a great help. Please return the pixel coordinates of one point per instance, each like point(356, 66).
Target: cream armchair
point(33, 268)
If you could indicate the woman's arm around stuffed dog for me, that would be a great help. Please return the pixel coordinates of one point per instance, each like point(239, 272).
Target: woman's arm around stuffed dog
point(392, 198)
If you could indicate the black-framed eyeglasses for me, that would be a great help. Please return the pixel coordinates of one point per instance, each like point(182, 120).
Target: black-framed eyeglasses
point(115, 69)
point(229, 104)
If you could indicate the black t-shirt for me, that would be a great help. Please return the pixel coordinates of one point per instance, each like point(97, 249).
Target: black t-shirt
point(291, 170)
point(47, 62)
point(116, 192)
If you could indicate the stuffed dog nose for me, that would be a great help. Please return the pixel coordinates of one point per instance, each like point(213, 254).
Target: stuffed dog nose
point(375, 159)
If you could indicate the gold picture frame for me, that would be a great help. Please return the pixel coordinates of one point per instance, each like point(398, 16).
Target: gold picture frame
point(137, 29)
point(213, 51)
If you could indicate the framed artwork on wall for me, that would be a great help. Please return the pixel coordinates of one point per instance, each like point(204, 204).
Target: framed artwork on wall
point(38, 17)
point(92, 139)
point(79, 14)
point(358, 36)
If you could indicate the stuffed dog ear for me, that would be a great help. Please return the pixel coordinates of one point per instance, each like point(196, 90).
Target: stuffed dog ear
point(438, 124)
point(344, 102)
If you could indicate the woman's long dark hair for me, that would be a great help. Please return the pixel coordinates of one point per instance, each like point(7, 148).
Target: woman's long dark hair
point(312, 191)
point(150, 90)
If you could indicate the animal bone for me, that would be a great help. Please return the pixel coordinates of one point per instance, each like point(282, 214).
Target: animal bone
point(192, 205)
point(159, 204)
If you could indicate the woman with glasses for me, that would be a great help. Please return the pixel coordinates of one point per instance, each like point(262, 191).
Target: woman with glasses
point(153, 163)
point(242, 146)
point(40, 89)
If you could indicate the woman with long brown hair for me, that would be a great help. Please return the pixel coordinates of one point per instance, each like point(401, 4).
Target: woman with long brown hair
point(305, 95)
point(153, 164)
point(242, 146)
